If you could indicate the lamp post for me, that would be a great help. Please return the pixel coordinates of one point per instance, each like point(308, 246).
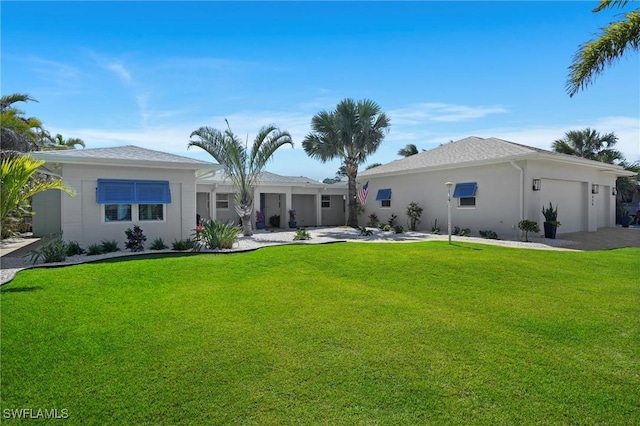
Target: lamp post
point(449, 185)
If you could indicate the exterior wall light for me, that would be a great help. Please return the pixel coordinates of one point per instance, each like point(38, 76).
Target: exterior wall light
point(614, 191)
point(595, 188)
point(537, 183)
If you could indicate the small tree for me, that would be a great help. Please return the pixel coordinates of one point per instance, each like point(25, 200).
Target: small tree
point(135, 239)
point(528, 226)
point(414, 211)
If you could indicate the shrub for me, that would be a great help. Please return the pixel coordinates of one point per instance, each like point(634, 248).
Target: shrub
point(435, 229)
point(387, 228)
point(73, 248)
point(528, 226)
point(364, 232)
point(54, 250)
point(109, 246)
point(414, 211)
point(219, 235)
point(373, 220)
point(274, 221)
point(181, 245)
point(392, 219)
point(135, 239)
point(488, 234)
point(302, 234)
point(464, 232)
point(158, 244)
point(551, 215)
point(398, 229)
point(94, 249)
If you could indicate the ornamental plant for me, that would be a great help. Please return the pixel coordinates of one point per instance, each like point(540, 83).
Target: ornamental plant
point(373, 220)
point(551, 214)
point(292, 215)
point(259, 216)
point(528, 226)
point(414, 211)
point(135, 239)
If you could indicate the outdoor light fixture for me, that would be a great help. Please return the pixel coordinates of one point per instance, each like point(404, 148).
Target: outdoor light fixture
point(614, 191)
point(595, 188)
point(537, 183)
point(449, 185)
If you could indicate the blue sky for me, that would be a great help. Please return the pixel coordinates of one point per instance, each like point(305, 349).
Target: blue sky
point(149, 73)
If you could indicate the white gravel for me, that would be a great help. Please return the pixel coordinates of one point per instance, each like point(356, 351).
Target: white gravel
point(9, 265)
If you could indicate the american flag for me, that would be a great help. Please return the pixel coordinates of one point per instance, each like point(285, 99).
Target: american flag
point(362, 193)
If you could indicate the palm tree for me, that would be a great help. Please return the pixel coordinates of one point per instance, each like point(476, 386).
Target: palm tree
point(19, 183)
point(408, 150)
point(17, 132)
point(60, 143)
point(243, 165)
point(351, 132)
point(589, 144)
point(611, 44)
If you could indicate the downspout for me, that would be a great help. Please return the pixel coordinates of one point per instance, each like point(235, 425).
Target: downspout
point(521, 190)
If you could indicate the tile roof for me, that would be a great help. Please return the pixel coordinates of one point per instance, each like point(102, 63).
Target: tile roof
point(468, 151)
point(128, 154)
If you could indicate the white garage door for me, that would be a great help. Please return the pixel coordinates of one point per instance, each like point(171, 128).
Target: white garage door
point(571, 199)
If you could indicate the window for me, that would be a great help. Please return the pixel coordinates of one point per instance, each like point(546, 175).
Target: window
point(384, 196)
point(117, 212)
point(124, 199)
point(222, 201)
point(151, 212)
point(466, 194)
point(325, 201)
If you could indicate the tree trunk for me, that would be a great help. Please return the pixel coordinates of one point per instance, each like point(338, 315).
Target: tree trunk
point(351, 202)
point(247, 229)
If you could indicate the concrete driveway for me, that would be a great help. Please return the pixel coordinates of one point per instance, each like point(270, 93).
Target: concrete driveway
point(604, 239)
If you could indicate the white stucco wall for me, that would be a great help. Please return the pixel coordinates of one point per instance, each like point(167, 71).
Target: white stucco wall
point(83, 218)
point(505, 196)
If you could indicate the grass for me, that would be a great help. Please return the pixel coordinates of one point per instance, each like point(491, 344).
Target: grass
point(421, 333)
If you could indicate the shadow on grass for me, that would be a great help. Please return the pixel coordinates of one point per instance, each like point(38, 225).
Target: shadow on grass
point(19, 289)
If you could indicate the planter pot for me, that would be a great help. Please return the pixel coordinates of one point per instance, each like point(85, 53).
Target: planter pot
point(293, 224)
point(625, 221)
point(259, 225)
point(550, 230)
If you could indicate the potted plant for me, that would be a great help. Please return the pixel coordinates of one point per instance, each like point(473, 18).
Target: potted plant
point(292, 219)
point(259, 220)
point(551, 221)
point(625, 218)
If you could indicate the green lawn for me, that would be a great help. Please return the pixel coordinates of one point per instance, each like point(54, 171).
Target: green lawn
point(420, 333)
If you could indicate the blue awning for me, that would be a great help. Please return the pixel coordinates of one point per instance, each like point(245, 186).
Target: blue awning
point(465, 190)
point(125, 191)
point(383, 195)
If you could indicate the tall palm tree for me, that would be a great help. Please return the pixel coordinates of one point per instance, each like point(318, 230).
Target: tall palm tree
point(18, 133)
point(612, 43)
point(60, 143)
point(351, 132)
point(589, 144)
point(242, 164)
point(408, 150)
point(19, 183)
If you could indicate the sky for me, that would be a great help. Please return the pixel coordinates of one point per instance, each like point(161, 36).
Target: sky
point(150, 73)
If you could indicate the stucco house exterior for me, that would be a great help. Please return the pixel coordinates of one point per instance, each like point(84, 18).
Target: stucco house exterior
point(315, 203)
point(496, 184)
point(165, 194)
point(117, 188)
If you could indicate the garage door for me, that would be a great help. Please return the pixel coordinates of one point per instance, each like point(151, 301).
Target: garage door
point(571, 199)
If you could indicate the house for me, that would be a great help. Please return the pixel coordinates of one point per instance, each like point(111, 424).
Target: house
point(315, 203)
point(117, 188)
point(496, 184)
point(165, 194)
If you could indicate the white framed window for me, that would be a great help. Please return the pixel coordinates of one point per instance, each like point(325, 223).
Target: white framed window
point(384, 196)
point(222, 201)
point(466, 194)
point(325, 201)
point(117, 212)
point(151, 212)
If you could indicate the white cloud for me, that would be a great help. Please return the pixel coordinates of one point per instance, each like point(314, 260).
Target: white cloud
point(439, 112)
point(120, 71)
